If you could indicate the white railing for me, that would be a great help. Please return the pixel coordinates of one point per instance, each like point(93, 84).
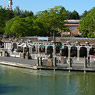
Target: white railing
point(34, 56)
point(15, 54)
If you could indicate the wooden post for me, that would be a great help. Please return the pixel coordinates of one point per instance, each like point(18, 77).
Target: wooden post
point(85, 64)
point(40, 61)
point(69, 63)
point(54, 61)
point(37, 61)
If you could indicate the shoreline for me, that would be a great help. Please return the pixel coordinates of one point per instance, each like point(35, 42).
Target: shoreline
point(32, 64)
point(26, 66)
point(19, 65)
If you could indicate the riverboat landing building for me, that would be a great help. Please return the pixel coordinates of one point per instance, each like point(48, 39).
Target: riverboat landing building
point(64, 47)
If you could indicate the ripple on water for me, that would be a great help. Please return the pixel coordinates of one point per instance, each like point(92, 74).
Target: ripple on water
point(18, 81)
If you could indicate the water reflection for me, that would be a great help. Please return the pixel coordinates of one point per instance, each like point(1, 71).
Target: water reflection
point(5, 89)
point(14, 81)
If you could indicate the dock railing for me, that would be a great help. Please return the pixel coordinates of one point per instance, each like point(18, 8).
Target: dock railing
point(71, 63)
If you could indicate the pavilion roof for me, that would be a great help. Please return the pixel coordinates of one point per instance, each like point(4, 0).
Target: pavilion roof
point(73, 40)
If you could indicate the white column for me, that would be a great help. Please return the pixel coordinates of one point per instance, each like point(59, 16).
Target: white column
point(69, 53)
point(38, 49)
point(30, 49)
point(17, 45)
point(4, 45)
point(23, 49)
point(88, 51)
point(78, 53)
point(54, 50)
point(45, 49)
point(60, 51)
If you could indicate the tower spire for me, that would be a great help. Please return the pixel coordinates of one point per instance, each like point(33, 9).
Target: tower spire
point(4, 4)
point(10, 5)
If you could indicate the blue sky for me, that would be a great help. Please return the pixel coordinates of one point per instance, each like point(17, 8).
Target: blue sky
point(39, 5)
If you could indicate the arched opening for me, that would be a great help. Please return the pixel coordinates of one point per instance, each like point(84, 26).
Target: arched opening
point(83, 52)
point(33, 48)
point(1, 44)
point(14, 45)
point(57, 49)
point(49, 49)
point(73, 51)
point(42, 48)
point(58, 46)
point(20, 49)
point(92, 51)
point(65, 51)
point(26, 49)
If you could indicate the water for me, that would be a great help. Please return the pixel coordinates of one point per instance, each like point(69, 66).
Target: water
point(15, 81)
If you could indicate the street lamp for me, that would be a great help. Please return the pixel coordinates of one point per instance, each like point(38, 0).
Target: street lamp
point(68, 42)
point(86, 43)
point(77, 43)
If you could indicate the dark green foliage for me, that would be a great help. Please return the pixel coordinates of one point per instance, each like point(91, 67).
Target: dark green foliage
point(4, 16)
point(73, 15)
point(24, 23)
point(87, 24)
point(19, 27)
point(51, 20)
point(84, 14)
point(21, 13)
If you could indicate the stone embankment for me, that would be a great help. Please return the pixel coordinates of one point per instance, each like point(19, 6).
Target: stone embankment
point(18, 62)
point(48, 65)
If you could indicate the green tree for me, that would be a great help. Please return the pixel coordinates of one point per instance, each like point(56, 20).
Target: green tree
point(87, 24)
point(52, 19)
point(84, 14)
point(4, 16)
point(22, 13)
point(73, 15)
point(17, 11)
point(19, 27)
point(8, 25)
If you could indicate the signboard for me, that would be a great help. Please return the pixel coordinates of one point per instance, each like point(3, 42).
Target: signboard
point(43, 38)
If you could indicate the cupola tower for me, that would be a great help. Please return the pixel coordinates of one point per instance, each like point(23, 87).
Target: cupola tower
point(10, 5)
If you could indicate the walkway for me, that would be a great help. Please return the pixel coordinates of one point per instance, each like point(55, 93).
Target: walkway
point(18, 62)
point(31, 64)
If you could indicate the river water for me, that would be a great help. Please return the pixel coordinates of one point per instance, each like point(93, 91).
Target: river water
point(17, 81)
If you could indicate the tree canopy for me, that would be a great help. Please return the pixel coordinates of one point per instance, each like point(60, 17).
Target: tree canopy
point(52, 19)
point(87, 24)
point(41, 25)
point(21, 13)
point(20, 23)
point(4, 16)
point(73, 15)
point(19, 27)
